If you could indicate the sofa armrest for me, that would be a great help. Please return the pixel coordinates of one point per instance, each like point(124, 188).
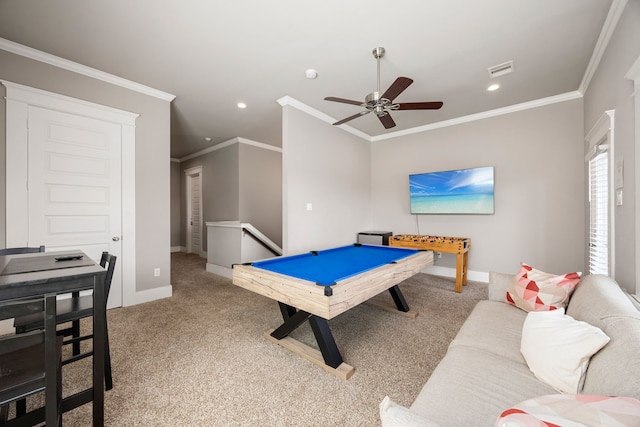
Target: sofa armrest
point(498, 284)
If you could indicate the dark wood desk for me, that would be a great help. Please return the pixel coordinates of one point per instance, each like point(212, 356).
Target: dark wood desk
point(18, 280)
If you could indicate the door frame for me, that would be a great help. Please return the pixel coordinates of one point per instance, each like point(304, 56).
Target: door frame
point(18, 100)
point(189, 175)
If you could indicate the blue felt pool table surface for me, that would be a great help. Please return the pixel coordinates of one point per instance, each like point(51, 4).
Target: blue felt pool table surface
point(327, 267)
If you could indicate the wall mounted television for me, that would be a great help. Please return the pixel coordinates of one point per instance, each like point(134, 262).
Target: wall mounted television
point(461, 191)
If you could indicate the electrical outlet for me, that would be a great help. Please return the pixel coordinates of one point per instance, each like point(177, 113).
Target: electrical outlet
point(156, 272)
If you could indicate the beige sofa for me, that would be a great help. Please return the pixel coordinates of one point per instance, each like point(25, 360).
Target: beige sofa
point(484, 372)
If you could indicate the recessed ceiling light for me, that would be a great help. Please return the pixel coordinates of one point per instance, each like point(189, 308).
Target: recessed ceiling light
point(208, 139)
point(311, 73)
point(242, 105)
point(493, 87)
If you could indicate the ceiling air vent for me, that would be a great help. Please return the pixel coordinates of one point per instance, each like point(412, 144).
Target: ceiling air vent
point(501, 69)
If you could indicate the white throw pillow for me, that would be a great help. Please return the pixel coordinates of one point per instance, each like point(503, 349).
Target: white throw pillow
point(557, 348)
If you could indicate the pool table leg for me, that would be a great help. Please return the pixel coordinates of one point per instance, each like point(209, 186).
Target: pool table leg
point(292, 319)
point(286, 310)
point(398, 298)
point(320, 327)
point(327, 344)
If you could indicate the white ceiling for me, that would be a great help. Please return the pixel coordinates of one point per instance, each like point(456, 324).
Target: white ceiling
point(212, 54)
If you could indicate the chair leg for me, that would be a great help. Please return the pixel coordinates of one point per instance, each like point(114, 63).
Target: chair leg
point(107, 361)
point(75, 330)
point(21, 407)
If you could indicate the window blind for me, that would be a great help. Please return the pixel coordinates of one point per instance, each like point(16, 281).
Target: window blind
point(599, 211)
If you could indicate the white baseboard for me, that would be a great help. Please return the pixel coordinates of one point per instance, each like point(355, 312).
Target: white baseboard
point(219, 270)
point(151, 295)
point(477, 276)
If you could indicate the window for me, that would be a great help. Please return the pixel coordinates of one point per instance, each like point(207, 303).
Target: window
point(599, 211)
point(600, 225)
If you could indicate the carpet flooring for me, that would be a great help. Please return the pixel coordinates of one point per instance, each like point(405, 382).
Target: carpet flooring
point(199, 357)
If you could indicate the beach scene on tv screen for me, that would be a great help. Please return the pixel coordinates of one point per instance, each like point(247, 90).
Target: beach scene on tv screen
point(462, 191)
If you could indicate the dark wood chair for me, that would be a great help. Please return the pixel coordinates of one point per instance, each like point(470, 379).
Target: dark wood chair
point(73, 310)
point(23, 250)
point(31, 362)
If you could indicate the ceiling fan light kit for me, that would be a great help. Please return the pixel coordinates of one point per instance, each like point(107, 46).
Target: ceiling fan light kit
point(381, 104)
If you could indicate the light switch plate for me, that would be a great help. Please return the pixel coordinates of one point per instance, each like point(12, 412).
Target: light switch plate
point(619, 197)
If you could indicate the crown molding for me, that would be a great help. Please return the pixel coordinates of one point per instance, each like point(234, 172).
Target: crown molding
point(259, 144)
point(65, 64)
point(615, 12)
point(287, 100)
point(227, 143)
point(484, 115)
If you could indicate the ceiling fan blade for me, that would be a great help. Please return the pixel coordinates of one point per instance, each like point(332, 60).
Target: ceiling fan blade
point(355, 116)
point(387, 121)
point(345, 101)
point(397, 88)
point(420, 105)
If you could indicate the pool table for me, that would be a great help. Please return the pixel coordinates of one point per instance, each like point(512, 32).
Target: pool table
point(319, 285)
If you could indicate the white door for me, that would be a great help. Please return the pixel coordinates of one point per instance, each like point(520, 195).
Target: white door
point(74, 186)
point(194, 210)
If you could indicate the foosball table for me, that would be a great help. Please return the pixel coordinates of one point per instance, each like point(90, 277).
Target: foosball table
point(454, 245)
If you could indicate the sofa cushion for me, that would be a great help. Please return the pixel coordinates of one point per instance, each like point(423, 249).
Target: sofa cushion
point(615, 370)
point(535, 290)
point(498, 284)
point(471, 387)
point(599, 296)
point(495, 327)
point(557, 348)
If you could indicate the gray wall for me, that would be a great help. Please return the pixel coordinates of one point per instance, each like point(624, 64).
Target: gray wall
point(331, 169)
point(261, 190)
point(220, 188)
point(609, 90)
point(538, 160)
point(240, 182)
point(356, 185)
point(152, 154)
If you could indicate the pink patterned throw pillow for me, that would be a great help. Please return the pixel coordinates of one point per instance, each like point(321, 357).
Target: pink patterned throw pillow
point(535, 290)
point(557, 410)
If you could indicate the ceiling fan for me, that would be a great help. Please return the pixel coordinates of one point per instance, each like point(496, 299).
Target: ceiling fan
point(382, 104)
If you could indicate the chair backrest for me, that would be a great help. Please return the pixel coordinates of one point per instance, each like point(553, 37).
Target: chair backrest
point(23, 250)
point(108, 261)
point(46, 305)
point(16, 382)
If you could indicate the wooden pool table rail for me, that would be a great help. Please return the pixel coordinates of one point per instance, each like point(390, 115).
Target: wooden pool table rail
point(346, 294)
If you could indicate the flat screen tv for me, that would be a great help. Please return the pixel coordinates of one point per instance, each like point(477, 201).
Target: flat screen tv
point(461, 191)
